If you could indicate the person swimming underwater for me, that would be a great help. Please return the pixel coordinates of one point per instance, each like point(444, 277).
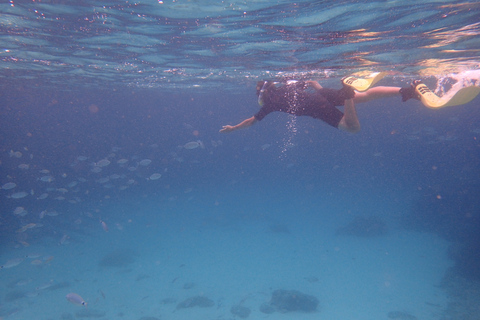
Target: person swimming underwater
point(309, 98)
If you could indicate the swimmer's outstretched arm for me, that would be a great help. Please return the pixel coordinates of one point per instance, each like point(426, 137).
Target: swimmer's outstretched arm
point(244, 124)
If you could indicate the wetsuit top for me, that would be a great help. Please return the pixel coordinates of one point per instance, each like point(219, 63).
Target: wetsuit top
point(301, 101)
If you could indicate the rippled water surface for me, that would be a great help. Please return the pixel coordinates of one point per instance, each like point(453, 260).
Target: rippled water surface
point(206, 43)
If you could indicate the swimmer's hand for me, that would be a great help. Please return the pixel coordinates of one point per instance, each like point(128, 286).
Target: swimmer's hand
point(313, 84)
point(227, 128)
point(244, 124)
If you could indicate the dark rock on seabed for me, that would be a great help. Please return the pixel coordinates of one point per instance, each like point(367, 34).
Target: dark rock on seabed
point(197, 301)
point(266, 308)
point(292, 300)
point(241, 311)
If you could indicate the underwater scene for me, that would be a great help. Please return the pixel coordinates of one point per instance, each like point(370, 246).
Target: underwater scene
point(220, 160)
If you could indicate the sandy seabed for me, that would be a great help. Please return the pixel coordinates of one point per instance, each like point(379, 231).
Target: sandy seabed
point(146, 270)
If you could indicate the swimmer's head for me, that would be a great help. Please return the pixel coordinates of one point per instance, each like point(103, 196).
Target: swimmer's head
point(262, 86)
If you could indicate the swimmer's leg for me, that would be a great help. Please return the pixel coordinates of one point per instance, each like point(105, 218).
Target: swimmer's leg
point(349, 121)
point(376, 93)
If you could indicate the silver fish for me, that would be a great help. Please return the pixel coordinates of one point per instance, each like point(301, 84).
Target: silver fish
point(192, 145)
point(102, 163)
point(145, 162)
point(42, 196)
point(76, 299)
point(47, 178)
point(20, 211)
point(12, 263)
point(122, 161)
point(16, 154)
point(24, 166)
point(104, 225)
point(9, 185)
point(19, 195)
point(155, 176)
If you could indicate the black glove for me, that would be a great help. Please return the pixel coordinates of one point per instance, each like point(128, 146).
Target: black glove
point(409, 92)
point(346, 92)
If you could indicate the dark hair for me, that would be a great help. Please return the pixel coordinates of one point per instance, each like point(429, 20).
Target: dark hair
point(264, 85)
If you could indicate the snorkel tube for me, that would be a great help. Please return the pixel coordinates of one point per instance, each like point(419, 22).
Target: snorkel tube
point(260, 94)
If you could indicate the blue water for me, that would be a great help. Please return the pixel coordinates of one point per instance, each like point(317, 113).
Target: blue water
point(279, 205)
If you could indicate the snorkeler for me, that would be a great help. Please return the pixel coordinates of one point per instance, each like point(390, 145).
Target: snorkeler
point(309, 98)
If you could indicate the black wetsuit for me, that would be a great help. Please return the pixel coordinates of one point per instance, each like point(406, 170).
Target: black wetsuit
point(298, 100)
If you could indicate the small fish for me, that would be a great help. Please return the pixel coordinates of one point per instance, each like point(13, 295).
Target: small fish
point(19, 195)
point(24, 166)
point(47, 179)
point(20, 211)
point(24, 243)
point(103, 180)
point(102, 163)
point(64, 239)
point(15, 154)
point(104, 225)
point(192, 145)
point(42, 196)
point(76, 299)
point(23, 282)
point(9, 185)
point(145, 162)
point(155, 176)
point(26, 227)
point(12, 263)
point(31, 294)
point(36, 262)
point(122, 161)
point(44, 286)
point(47, 259)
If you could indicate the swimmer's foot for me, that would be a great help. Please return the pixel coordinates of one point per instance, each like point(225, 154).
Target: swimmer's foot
point(347, 92)
point(410, 92)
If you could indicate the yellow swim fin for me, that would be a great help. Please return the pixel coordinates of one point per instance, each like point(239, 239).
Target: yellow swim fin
point(431, 100)
point(362, 84)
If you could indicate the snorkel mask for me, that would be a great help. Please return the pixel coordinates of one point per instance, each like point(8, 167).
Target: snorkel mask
point(260, 94)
